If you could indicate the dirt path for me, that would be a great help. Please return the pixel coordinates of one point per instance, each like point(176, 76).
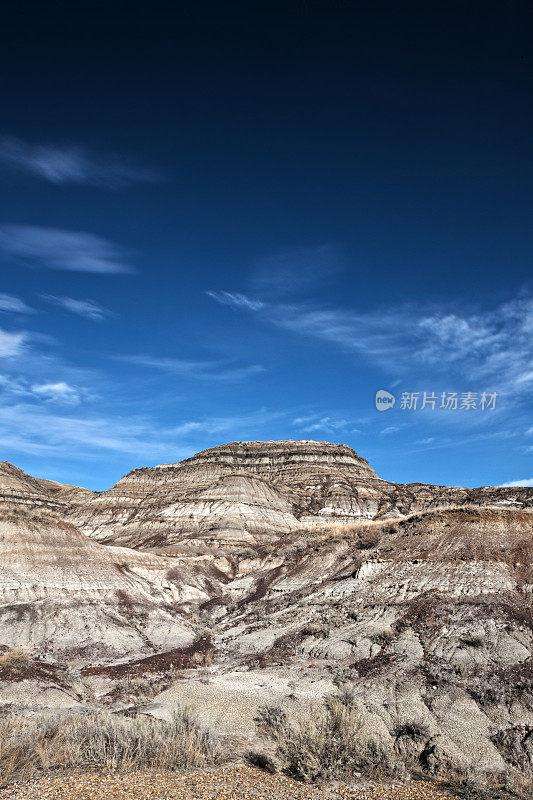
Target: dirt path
point(229, 783)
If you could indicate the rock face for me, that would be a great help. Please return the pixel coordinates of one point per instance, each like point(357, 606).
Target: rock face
point(63, 594)
point(293, 570)
point(248, 492)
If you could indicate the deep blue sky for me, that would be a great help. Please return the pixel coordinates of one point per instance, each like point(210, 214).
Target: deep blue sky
point(229, 224)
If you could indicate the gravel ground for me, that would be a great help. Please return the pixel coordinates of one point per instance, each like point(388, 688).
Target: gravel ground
point(230, 783)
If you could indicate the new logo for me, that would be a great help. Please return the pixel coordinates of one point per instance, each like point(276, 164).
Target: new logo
point(384, 400)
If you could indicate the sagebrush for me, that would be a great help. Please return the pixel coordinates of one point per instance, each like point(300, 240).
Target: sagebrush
point(326, 743)
point(61, 742)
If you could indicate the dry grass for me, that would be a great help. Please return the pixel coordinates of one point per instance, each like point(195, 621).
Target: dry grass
point(15, 659)
point(63, 742)
point(361, 535)
point(472, 785)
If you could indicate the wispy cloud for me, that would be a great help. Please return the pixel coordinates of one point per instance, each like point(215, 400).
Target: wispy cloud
point(32, 429)
point(15, 385)
point(389, 430)
point(495, 346)
point(71, 164)
point(201, 370)
point(311, 423)
point(53, 248)
point(10, 304)
point(59, 392)
point(237, 300)
point(523, 482)
point(84, 308)
point(39, 430)
point(12, 344)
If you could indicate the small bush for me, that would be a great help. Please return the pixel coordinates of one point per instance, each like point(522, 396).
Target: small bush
point(325, 744)
point(472, 784)
point(174, 575)
point(472, 640)
point(368, 538)
point(247, 552)
point(15, 663)
point(413, 729)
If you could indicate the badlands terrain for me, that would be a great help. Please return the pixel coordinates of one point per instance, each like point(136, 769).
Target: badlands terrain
point(255, 582)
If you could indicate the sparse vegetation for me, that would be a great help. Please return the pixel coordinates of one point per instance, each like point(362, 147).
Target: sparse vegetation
point(15, 660)
point(473, 785)
point(331, 742)
point(325, 744)
point(246, 552)
point(368, 538)
point(473, 640)
point(413, 729)
point(17, 664)
point(174, 575)
point(59, 742)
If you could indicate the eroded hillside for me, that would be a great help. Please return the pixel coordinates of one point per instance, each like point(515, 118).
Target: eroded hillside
point(278, 573)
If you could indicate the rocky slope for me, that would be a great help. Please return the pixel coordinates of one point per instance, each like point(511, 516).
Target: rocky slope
point(426, 621)
point(279, 572)
point(63, 594)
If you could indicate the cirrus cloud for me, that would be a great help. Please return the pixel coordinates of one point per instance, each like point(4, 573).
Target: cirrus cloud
point(89, 309)
point(495, 346)
point(63, 164)
point(12, 344)
point(10, 304)
point(54, 248)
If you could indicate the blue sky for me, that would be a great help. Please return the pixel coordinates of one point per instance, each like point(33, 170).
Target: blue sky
point(231, 225)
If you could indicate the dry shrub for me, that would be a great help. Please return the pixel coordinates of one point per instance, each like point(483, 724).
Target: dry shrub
point(15, 658)
point(368, 538)
point(475, 785)
point(473, 640)
point(62, 742)
point(324, 744)
point(15, 663)
point(413, 729)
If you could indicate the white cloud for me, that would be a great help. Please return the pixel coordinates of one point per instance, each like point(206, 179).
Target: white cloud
point(53, 248)
point(71, 164)
point(14, 384)
point(525, 377)
point(237, 300)
point(313, 422)
point(11, 304)
point(524, 482)
point(12, 344)
point(494, 347)
point(84, 308)
point(389, 430)
point(33, 429)
point(201, 370)
point(59, 392)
